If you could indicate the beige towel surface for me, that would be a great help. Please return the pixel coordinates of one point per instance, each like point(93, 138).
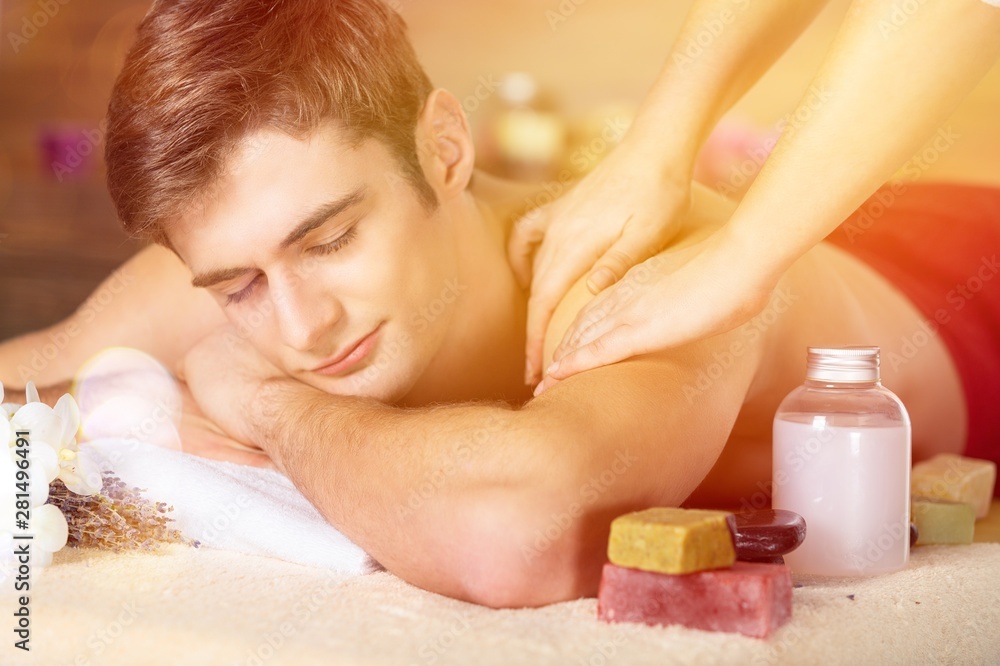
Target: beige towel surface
point(202, 606)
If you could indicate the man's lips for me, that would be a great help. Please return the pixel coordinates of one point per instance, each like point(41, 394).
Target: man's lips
point(349, 358)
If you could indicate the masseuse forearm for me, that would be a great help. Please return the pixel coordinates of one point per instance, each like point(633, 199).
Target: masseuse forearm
point(888, 84)
point(436, 495)
point(724, 47)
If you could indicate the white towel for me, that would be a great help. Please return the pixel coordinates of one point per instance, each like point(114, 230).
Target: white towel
point(232, 507)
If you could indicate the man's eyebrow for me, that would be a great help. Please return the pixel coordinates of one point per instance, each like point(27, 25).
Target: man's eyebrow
point(322, 214)
point(315, 219)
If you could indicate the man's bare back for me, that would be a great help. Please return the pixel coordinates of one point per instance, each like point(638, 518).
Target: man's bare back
point(828, 298)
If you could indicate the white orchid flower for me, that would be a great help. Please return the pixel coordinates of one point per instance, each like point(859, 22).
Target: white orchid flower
point(52, 453)
point(53, 442)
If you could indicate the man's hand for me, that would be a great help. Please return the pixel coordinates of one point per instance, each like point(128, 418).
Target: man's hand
point(201, 437)
point(224, 373)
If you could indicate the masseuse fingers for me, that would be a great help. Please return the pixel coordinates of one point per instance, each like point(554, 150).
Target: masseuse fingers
point(615, 345)
point(600, 312)
point(525, 236)
point(635, 246)
point(554, 277)
point(541, 305)
point(583, 337)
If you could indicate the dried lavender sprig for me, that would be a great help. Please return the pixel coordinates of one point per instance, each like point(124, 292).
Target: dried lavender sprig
point(117, 518)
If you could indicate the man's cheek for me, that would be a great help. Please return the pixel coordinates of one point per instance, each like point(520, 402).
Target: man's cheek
point(253, 322)
point(251, 345)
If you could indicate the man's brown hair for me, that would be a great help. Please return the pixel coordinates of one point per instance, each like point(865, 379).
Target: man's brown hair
point(204, 74)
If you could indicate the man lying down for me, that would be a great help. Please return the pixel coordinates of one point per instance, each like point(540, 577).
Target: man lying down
point(337, 297)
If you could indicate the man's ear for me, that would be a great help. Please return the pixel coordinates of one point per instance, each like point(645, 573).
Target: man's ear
point(444, 144)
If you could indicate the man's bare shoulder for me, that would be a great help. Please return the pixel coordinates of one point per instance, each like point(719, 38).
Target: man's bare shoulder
point(577, 298)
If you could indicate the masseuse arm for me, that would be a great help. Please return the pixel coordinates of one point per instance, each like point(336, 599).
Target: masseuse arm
point(148, 303)
point(890, 81)
point(628, 208)
point(482, 502)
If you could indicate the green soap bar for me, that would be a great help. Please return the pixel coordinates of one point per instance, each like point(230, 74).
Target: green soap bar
point(672, 541)
point(942, 522)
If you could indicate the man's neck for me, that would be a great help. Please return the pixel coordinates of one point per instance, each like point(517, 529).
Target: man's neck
point(483, 355)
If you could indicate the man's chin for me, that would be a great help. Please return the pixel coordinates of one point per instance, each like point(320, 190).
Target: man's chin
point(376, 385)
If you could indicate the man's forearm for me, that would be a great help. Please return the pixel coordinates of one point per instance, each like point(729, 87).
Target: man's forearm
point(147, 304)
point(424, 491)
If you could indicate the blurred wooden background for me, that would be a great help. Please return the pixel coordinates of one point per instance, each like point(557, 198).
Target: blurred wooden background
point(58, 233)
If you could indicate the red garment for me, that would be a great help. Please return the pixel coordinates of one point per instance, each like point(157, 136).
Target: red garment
point(940, 245)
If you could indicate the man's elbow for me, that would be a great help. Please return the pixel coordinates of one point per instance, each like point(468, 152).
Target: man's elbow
point(535, 548)
point(539, 534)
point(504, 567)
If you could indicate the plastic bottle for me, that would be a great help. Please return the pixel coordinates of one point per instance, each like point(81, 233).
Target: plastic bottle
point(841, 459)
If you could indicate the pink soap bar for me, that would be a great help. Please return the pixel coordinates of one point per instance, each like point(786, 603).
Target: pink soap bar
point(749, 598)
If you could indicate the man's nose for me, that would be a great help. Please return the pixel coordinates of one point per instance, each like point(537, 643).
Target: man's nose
point(305, 314)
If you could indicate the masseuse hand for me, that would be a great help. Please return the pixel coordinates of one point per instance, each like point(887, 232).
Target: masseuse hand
point(699, 291)
point(621, 213)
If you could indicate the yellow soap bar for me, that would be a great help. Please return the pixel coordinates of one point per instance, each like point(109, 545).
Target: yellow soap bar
point(952, 477)
point(672, 541)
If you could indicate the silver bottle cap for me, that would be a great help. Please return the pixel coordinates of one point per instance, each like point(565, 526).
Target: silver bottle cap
point(842, 364)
